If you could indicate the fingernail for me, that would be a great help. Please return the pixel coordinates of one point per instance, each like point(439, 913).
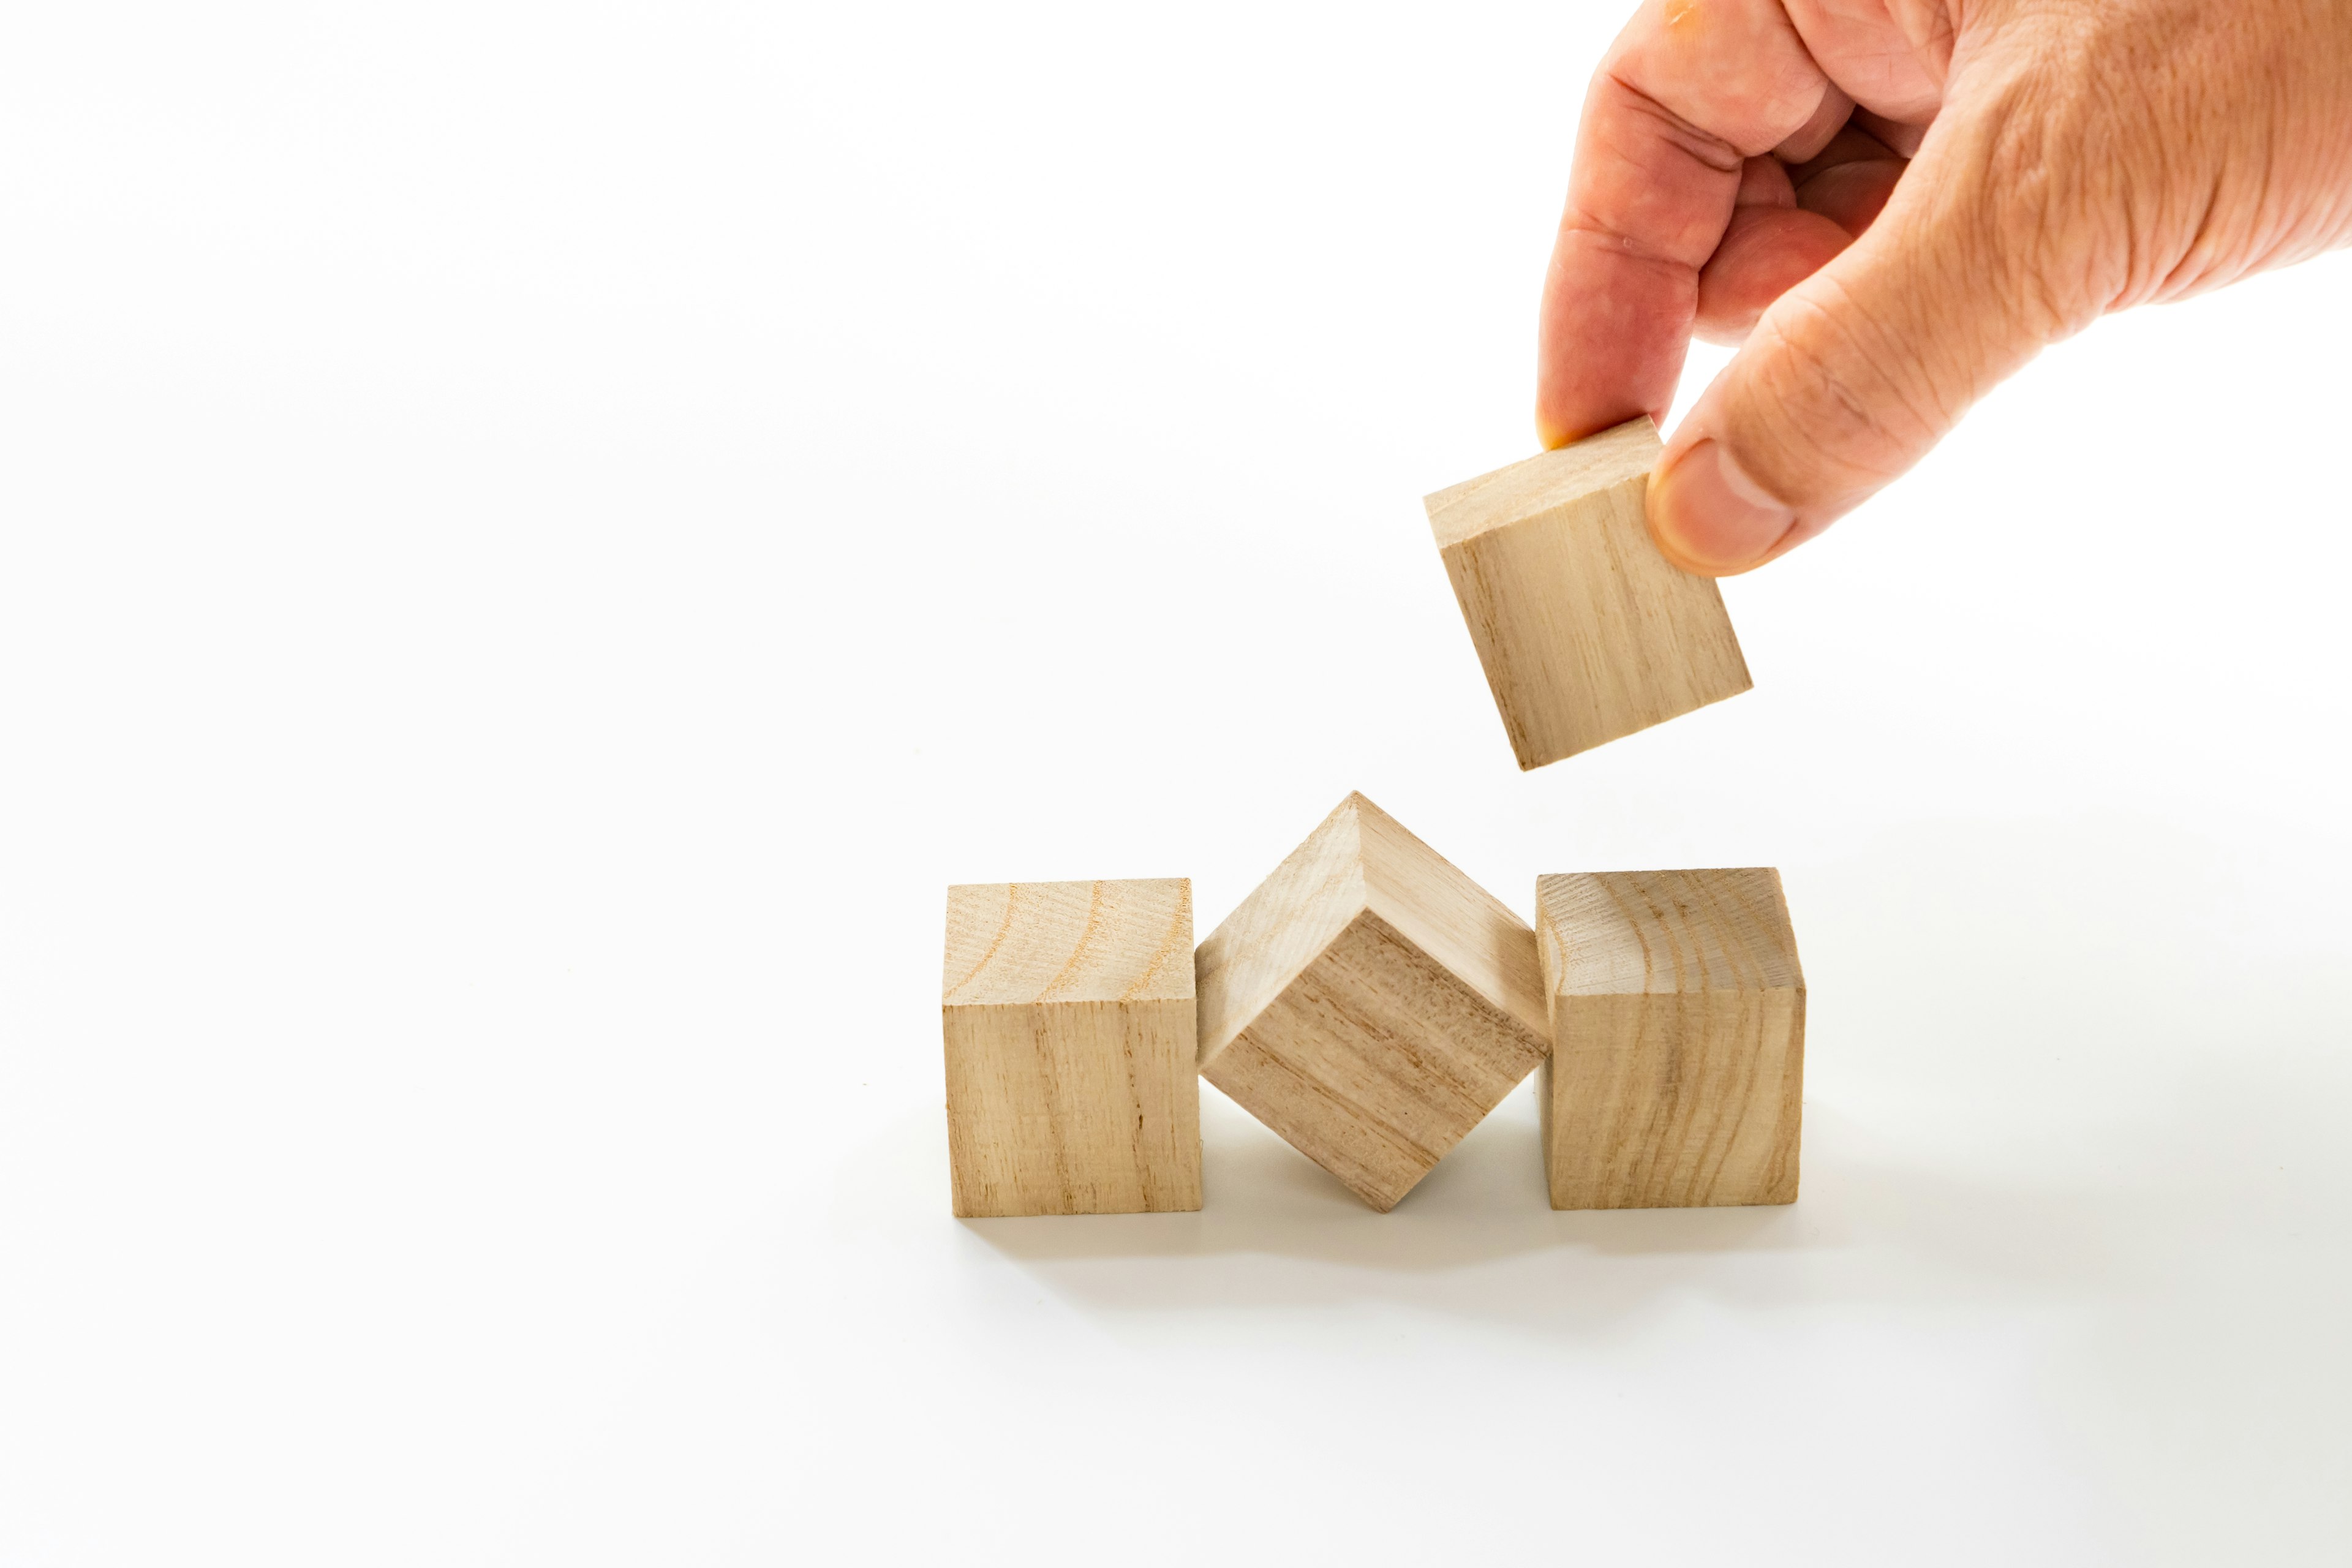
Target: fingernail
point(1708, 516)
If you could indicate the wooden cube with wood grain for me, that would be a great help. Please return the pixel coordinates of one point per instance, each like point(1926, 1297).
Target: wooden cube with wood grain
point(1370, 1003)
point(1068, 1013)
point(1677, 1015)
point(1585, 631)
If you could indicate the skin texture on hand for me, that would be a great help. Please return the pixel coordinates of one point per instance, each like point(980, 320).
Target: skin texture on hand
point(1892, 204)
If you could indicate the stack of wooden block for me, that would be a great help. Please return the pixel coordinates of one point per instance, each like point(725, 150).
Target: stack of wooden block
point(1370, 1002)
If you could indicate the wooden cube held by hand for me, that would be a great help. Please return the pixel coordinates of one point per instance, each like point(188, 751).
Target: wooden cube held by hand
point(1370, 1003)
point(1586, 632)
point(1072, 1087)
point(1678, 1071)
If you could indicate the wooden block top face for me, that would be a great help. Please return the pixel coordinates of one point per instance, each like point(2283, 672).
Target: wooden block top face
point(1017, 943)
point(1362, 858)
point(1545, 483)
point(1649, 933)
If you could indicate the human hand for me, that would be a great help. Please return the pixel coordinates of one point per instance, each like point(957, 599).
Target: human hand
point(1892, 204)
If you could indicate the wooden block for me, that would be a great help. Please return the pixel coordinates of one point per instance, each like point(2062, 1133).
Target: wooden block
point(1677, 1072)
point(1586, 632)
point(1370, 1003)
point(1069, 1012)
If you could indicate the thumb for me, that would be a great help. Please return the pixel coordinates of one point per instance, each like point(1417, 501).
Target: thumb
point(1855, 373)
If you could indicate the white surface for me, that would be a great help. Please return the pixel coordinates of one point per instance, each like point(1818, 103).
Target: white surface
point(533, 544)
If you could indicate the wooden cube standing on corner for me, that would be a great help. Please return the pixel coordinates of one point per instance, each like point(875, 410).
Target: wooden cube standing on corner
point(1070, 1044)
point(1586, 632)
point(1370, 1003)
point(1678, 1073)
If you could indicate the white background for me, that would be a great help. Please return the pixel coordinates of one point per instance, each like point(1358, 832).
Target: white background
point(534, 543)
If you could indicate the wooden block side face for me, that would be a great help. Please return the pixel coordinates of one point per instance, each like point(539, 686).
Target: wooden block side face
point(1012, 943)
point(1277, 931)
point(1674, 1101)
point(1375, 1060)
point(1585, 631)
point(1073, 1108)
point(1451, 918)
point(1613, 932)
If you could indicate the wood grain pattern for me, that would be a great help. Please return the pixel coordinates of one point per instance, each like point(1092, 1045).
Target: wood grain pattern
point(1586, 633)
point(1677, 1078)
point(1370, 1003)
point(1068, 1014)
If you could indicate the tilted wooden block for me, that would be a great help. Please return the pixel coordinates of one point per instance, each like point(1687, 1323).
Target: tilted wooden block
point(1678, 1073)
point(1370, 1003)
point(1069, 1012)
point(1586, 632)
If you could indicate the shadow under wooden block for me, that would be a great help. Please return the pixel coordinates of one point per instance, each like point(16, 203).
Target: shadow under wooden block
point(1370, 1003)
point(1068, 1010)
point(1586, 632)
point(1677, 1072)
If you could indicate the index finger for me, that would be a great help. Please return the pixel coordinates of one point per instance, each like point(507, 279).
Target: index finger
point(1688, 92)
